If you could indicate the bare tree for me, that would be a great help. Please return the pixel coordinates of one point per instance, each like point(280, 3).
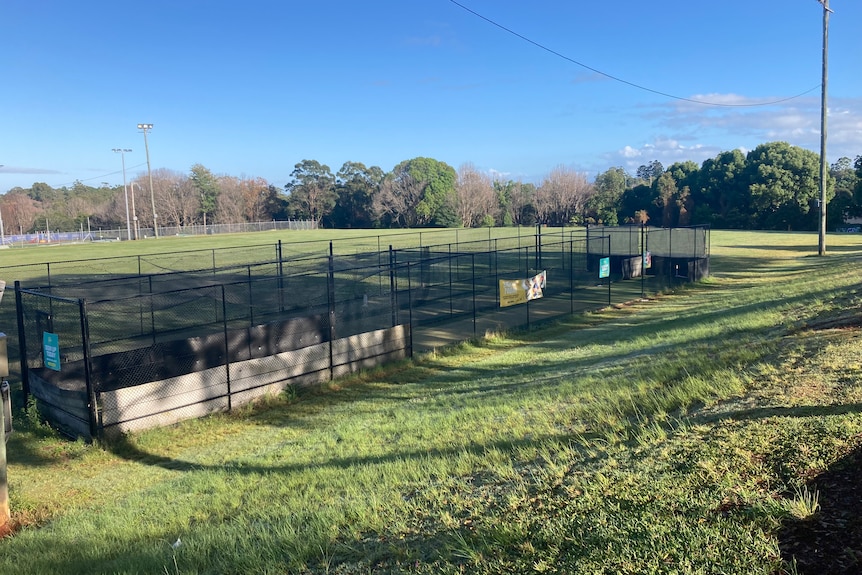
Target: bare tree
point(177, 201)
point(475, 198)
point(255, 192)
point(19, 212)
point(562, 197)
point(229, 208)
point(395, 203)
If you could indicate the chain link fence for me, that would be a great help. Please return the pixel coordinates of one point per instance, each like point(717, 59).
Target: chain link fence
point(115, 353)
point(123, 234)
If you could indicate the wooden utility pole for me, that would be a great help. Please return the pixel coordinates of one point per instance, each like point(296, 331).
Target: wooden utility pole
point(821, 243)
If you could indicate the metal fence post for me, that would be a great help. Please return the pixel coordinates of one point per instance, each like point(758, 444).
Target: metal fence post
point(330, 303)
point(393, 300)
point(226, 349)
point(571, 275)
point(152, 310)
point(250, 299)
point(280, 270)
point(22, 344)
point(473, 273)
point(609, 275)
point(449, 261)
point(643, 260)
point(670, 281)
point(92, 393)
point(410, 311)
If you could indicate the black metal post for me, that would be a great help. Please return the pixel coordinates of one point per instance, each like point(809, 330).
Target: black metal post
point(330, 293)
point(409, 311)
point(451, 308)
point(280, 285)
point(609, 271)
point(250, 299)
point(22, 344)
point(152, 310)
point(571, 275)
point(643, 261)
point(473, 272)
point(226, 349)
point(393, 300)
point(94, 409)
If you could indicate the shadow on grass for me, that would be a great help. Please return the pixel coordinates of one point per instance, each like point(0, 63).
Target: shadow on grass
point(831, 540)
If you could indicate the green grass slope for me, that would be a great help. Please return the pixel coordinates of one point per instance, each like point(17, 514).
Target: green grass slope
point(677, 435)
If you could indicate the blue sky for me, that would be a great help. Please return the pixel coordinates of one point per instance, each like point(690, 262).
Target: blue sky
point(251, 88)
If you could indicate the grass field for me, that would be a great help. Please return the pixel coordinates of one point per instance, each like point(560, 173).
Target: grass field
point(676, 435)
point(24, 263)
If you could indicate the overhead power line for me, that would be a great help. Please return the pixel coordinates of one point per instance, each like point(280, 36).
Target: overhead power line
point(621, 80)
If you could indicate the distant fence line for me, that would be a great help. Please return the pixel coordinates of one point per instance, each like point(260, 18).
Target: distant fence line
point(122, 234)
point(128, 352)
point(295, 251)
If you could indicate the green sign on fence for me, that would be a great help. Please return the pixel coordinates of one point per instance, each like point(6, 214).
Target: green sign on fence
point(604, 267)
point(51, 350)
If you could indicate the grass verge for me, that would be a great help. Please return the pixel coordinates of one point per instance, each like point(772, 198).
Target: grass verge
point(678, 434)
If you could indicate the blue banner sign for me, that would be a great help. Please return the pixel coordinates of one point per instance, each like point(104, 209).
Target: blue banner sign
point(51, 350)
point(604, 267)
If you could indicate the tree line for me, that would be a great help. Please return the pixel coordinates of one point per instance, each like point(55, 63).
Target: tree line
point(775, 186)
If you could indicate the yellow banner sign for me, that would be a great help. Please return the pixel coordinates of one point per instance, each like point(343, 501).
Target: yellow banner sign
point(513, 292)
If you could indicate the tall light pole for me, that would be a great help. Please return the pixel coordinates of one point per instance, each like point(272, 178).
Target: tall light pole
point(134, 213)
point(821, 237)
point(122, 152)
point(145, 128)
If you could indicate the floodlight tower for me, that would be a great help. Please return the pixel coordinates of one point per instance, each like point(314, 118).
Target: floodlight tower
point(821, 236)
point(122, 152)
point(145, 128)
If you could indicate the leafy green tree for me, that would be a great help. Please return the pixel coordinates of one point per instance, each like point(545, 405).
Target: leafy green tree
point(355, 187)
point(844, 204)
point(638, 205)
point(517, 203)
point(418, 192)
point(207, 186)
point(666, 200)
point(857, 164)
point(609, 189)
point(311, 193)
point(685, 174)
point(784, 186)
point(437, 206)
point(649, 173)
point(42, 192)
point(722, 197)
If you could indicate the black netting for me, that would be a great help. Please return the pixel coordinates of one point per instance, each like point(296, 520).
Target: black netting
point(150, 348)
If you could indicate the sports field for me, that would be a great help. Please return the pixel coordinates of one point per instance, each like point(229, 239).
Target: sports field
point(689, 433)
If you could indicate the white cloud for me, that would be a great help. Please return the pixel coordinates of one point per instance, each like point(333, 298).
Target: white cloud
point(683, 131)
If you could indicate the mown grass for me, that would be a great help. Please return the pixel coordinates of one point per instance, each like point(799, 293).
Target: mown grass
point(188, 252)
point(672, 435)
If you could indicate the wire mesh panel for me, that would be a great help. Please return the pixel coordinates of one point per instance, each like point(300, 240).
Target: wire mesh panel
point(151, 348)
point(624, 240)
point(54, 365)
